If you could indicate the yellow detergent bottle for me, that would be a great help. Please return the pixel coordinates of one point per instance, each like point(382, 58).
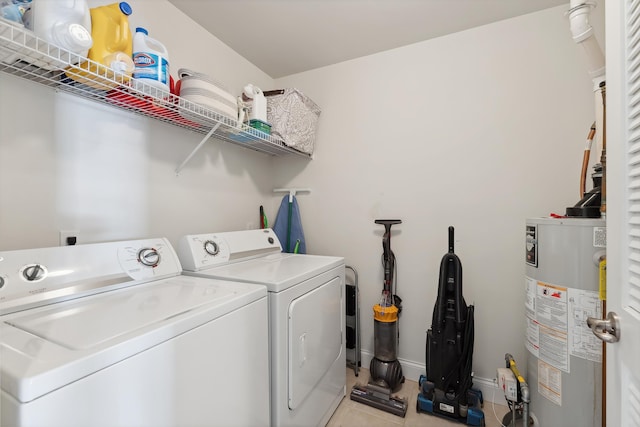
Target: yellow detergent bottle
point(111, 51)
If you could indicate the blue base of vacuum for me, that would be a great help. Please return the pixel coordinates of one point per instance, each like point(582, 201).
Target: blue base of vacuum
point(450, 410)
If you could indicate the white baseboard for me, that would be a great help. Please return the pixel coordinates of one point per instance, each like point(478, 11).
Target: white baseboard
point(412, 371)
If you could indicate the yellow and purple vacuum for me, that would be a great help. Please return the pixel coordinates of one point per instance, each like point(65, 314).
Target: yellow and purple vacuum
point(385, 369)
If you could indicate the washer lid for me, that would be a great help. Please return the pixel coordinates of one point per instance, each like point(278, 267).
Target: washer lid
point(277, 271)
point(46, 348)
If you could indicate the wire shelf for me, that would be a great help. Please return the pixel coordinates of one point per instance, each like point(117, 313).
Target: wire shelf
point(24, 55)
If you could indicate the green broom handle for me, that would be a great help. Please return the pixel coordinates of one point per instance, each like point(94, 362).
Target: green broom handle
point(289, 225)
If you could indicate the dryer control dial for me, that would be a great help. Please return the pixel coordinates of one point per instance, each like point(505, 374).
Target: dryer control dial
point(149, 257)
point(211, 247)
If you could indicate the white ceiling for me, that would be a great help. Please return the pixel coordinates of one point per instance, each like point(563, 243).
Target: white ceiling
point(283, 37)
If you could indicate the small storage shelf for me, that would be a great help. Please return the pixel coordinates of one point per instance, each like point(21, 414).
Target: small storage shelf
point(24, 55)
point(352, 320)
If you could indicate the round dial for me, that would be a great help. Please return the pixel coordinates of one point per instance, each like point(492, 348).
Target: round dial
point(211, 247)
point(1, 282)
point(34, 272)
point(149, 257)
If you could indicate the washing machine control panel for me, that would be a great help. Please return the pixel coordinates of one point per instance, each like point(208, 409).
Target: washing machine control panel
point(145, 260)
point(202, 251)
point(34, 277)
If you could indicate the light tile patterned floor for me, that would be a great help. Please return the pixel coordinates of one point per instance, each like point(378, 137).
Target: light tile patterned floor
point(355, 414)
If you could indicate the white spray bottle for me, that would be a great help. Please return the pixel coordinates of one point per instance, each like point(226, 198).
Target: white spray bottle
point(259, 105)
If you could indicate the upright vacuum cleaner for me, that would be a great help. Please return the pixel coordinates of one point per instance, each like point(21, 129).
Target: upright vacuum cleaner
point(447, 390)
point(385, 369)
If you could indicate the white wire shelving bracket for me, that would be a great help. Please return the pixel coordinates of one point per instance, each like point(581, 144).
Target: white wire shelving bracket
point(24, 55)
point(195, 150)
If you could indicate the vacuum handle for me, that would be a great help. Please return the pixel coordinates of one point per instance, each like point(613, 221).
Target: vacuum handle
point(388, 223)
point(450, 239)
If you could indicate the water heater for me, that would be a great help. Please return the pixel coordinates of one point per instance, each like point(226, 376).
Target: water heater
point(564, 258)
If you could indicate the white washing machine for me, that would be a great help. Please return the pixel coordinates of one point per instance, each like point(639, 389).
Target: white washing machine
point(112, 334)
point(306, 316)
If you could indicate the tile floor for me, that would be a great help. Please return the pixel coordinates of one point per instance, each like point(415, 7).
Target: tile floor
point(354, 414)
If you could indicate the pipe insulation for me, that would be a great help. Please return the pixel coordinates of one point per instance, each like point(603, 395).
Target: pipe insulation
point(583, 35)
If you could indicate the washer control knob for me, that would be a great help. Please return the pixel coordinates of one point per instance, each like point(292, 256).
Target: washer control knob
point(149, 257)
point(211, 247)
point(33, 273)
point(1, 282)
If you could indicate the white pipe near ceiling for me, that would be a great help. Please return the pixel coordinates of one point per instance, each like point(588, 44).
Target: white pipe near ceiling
point(582, 32)
point(583, 35)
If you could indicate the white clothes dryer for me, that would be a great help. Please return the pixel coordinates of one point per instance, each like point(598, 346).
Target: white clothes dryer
point(111, 334)
point(306, 316)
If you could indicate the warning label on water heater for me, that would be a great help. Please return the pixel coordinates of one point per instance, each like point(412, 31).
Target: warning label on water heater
point(550, 382)
point(582, 342)
point(557, 323)
point(547, 323)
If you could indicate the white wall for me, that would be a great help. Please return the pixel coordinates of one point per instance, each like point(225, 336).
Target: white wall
point(71, 164)
point(479, 130)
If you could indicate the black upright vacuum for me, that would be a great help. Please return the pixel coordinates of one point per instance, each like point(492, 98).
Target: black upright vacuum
point(385, 369)
point(447, 390)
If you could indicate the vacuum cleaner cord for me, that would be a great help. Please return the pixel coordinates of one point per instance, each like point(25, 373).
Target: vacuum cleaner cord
point(466, 358)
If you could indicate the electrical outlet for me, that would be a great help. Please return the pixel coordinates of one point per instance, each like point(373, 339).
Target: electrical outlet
point(69, 237)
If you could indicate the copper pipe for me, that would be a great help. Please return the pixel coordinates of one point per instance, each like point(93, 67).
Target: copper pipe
point(585, 160)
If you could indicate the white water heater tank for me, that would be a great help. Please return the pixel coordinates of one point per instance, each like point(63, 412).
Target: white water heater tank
point(564, 257)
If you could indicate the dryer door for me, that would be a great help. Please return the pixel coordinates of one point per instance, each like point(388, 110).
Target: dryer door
point(315, 338)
